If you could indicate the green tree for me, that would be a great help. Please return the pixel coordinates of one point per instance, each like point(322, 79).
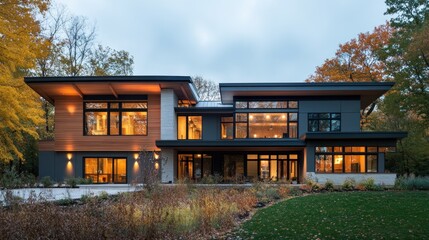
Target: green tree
point(106, 61)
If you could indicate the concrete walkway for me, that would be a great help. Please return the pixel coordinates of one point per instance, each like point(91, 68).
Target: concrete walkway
point(53, 194)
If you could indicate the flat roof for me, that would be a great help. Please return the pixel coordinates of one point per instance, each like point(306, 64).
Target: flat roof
point(366, 91)
point(51, 88)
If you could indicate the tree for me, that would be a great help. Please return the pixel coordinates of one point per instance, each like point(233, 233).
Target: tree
point(358, 61)
point(207, 90)
point(19, 106)
point(106, 61)
point(69, 51)
point(78, 42)
point(407, 54)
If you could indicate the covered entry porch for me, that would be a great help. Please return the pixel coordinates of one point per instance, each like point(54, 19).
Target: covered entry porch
point(244, 166)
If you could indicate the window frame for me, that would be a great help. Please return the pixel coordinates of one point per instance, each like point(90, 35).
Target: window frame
point(332, 151)
point(227, 122)
point(319, 118)
point(119, 110)
point(187, 126)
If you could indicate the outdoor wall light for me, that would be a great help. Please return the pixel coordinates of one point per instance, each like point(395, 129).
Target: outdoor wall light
point(136, 156)
point(69, 156)
point(156, 155)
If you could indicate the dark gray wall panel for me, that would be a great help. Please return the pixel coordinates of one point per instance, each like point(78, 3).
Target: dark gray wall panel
point(46, 164)
point(211, 125)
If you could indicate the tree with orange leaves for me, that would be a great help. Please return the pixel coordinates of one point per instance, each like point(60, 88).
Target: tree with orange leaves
point(358, 61)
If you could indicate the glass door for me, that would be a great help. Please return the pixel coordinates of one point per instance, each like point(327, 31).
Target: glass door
point(265, 169)
point(106, 170)
point(120, 170)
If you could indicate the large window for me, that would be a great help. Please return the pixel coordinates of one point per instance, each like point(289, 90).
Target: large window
point(266, 125)
point(265, 119)
point(194, 165)
point(105, 170)
point(115, 118)
point(189, 127)
point(324, 122)
point(346, 159)
point(272, 166)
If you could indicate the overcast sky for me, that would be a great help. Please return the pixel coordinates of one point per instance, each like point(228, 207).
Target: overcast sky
point(229, 40)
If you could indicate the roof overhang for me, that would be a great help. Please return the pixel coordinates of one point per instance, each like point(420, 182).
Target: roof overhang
point(51, 88)
point(242, 143)
point(368, 92)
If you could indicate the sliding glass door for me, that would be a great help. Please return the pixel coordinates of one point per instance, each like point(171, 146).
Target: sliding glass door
point(106, 170)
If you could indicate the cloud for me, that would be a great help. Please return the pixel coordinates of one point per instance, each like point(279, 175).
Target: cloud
point(230, 41)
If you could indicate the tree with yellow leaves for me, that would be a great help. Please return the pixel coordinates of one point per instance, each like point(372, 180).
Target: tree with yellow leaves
point(19, 42)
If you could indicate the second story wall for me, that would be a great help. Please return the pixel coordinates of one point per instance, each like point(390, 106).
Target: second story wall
point(349, 110)
point(69, 129)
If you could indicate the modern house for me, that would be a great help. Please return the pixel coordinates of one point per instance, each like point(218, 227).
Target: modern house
point(269, 131)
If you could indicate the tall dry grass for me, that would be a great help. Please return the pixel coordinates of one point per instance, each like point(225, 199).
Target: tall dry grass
point(164, 213)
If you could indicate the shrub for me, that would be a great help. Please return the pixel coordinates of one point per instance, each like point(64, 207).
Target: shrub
point(72, 182)
point(284, 191)
point(212, 179)
point(348, 185)
point(84, 180)
point(369, 185)
point(47, 182)
point(10, 179)
point(412, 183)
point(272, 193)
point(295, 192)
point(329, 186)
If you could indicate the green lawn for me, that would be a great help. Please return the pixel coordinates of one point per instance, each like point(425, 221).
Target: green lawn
point(346, 215)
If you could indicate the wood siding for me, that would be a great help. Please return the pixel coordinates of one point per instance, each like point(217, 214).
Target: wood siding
point(69, 129)
point(46, 145)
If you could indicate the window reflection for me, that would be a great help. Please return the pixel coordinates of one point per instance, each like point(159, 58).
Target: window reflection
point(96, 123)
point(134, 123)
point(189, 127)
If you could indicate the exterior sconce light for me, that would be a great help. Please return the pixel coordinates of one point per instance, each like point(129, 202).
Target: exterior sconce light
point(136, 156)
point(156, 155)
point(69, 156)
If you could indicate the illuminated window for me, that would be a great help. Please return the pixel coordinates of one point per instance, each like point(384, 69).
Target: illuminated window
point(115, 118)
point(349, 159)
point(189, 127)
point(105, 170)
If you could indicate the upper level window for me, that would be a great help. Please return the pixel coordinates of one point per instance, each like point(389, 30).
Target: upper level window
point(324, 122)
point(266, 125)
point(189, 127)
point(227, 127)
point(266, 104)
point(115, 118)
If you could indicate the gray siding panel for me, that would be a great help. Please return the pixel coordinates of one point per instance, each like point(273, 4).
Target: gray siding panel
point(211, 127)
point(46, 164)
point(350, 122)
point(349, 109)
